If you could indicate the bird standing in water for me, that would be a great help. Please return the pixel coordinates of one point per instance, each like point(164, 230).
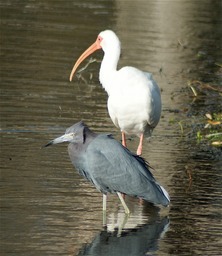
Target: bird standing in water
point(110, 167)
point(134, 100)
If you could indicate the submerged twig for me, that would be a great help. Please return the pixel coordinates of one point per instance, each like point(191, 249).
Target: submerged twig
point(91, 60)
point(218, 64)
point(193, 90)
point(204, 85)
point(181, 127)
point(216, 143)
point(213, 135)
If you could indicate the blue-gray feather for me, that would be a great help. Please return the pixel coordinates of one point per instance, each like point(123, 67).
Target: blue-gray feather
point(112, 168)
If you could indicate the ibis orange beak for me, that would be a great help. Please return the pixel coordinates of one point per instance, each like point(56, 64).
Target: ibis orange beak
point(94, 47)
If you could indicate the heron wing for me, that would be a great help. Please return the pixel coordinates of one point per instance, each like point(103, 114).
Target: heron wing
point(113, 168)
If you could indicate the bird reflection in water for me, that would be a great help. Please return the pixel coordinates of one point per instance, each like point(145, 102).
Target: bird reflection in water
point(141, 240)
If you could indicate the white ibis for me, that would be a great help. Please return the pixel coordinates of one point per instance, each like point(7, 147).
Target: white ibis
point(134, 100)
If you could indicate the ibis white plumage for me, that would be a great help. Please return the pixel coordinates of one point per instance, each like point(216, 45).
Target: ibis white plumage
point(134, 99)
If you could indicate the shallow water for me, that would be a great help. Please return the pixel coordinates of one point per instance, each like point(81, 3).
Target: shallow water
point(46, 207)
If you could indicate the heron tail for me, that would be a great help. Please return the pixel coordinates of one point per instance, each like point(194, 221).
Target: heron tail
point(165, 193)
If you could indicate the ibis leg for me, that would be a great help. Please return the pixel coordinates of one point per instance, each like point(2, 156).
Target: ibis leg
point(139, 149)
point(123, 139)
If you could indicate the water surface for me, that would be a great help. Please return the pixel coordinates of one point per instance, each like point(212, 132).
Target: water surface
point(46, 208)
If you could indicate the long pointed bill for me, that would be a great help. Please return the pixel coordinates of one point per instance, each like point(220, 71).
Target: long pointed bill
point(64, 138)
point(95, 46)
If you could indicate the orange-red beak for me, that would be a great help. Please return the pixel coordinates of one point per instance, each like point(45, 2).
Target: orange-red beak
point(94, 47)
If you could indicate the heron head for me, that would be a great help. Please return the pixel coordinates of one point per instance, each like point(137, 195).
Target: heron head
point(73, 134)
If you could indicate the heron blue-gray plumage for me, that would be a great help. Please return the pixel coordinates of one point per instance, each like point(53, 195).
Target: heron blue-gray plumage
point(134, 99)
point(109, 166)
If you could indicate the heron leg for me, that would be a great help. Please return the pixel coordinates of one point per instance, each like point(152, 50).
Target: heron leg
point(104, 202)
point(127, 211)
point(104, 209)
point(139, 149)
point(121, 227)
point(123, 139)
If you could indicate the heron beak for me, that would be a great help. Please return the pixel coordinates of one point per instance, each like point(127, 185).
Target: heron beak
point(64, 138)
point(94, 47)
